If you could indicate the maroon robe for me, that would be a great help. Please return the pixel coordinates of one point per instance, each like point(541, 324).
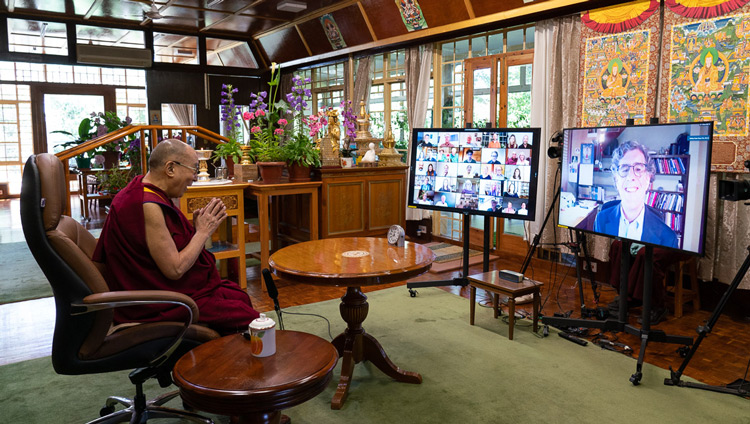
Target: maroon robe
point(123, 249)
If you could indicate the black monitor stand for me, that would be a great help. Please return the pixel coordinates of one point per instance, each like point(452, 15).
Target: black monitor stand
point(645, 333)
point(463, 280)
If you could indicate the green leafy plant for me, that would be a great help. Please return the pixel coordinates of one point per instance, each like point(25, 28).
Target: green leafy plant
point(301, 150)
point(115, 179)
point(230, 149)
point(97, 125)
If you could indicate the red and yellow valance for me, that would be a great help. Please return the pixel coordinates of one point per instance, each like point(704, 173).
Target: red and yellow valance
point(704, 9)
point(620, 18)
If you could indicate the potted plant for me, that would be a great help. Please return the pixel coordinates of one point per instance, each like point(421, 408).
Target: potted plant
point(114, 179)
point(266, 126)
point(300, 151)
point(231, 151)
point(85, 133)
point(105, 123)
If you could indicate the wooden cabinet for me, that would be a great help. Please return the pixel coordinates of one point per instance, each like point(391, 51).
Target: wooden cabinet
point(362, 201)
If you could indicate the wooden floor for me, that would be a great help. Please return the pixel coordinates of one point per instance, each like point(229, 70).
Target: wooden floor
point(721, 359)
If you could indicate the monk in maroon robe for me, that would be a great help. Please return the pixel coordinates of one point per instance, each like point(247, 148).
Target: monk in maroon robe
point(147, 243)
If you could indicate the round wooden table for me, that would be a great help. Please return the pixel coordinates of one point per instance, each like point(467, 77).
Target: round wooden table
point(353, 263)
point(222, 376)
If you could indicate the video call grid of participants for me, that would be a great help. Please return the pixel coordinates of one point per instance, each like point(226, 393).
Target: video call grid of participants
point(488, 171)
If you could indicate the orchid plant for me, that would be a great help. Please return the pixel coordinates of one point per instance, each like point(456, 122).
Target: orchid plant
point(230, 116)
point(265, 121)
point(299, 148)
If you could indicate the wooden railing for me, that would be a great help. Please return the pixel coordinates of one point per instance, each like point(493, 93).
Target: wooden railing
point(153, 132)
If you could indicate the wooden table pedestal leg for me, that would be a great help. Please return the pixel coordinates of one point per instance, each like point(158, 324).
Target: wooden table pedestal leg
point(354, 345)
point(258, 418)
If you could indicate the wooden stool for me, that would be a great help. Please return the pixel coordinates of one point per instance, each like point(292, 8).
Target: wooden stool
point(491, 282)
point(679, 292)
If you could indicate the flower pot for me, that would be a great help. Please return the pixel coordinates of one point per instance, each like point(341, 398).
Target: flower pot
point(298, 173)
point(83, 162)
point(111, 159)
point(270, 172)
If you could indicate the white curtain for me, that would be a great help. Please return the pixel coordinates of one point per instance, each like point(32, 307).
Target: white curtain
point(418, 61)
point(185, 113)
point(554, 99)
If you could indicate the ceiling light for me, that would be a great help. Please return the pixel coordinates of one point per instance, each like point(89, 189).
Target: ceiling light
point(291, 6)
point(213, 3)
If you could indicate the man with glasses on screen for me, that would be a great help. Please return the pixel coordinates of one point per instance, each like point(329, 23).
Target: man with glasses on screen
point(630, 217)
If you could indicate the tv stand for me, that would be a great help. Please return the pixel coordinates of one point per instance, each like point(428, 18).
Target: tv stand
point(463, 280)
point(645, 333)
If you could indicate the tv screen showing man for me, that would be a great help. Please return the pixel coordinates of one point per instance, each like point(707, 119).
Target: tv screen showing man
point(643, 183)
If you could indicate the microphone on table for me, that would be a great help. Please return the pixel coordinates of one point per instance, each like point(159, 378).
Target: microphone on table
point(273, 293)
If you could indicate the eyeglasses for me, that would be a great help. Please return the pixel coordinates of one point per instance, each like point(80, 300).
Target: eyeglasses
point(192, 168)
point(638, 169)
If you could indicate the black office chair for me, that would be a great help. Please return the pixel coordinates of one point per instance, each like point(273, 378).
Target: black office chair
point(85, 339)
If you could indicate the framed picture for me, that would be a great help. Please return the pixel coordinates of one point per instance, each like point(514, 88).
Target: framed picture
point(154, 117)
point(587, 153)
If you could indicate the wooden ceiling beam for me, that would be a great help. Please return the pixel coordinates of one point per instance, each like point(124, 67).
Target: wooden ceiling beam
point(314, 15)
point(367, 21)
point(470, 9)
point(304, 42)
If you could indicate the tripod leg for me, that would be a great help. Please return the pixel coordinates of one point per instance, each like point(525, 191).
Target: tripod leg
point(703, 330)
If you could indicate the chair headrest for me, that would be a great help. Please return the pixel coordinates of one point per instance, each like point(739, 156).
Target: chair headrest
point(52, 181)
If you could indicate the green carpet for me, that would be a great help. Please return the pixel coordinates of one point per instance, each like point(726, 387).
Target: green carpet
point(22, 278)
point(471, 375)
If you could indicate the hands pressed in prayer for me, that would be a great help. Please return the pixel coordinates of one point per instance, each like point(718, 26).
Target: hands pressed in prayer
point(209, 217)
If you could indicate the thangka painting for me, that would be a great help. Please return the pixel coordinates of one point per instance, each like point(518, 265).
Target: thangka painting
point(618, 57)
point(705, 74)
point(332, 32)
point(411, 14)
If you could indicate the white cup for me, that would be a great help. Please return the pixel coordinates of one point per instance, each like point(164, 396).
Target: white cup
point(262, 336)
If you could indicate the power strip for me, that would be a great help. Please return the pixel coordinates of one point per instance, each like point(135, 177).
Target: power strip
point(512, 276)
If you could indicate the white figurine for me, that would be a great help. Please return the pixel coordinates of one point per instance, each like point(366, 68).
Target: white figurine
point(370, 154)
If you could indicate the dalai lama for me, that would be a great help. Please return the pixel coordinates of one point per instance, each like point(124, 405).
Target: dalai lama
point(147, 243)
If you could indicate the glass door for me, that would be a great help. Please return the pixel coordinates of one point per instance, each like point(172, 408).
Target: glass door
point(63, 107)
point(64, 112)
point(498, 93)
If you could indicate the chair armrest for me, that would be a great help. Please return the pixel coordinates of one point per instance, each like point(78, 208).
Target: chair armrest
point(142, 297)
point(118, 299)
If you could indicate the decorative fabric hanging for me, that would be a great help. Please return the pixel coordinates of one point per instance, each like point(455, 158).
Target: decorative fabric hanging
point(704, 9)
point(620, 18)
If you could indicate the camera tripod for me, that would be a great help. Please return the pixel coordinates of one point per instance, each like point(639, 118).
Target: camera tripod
point(703, 331)
point(575, 246)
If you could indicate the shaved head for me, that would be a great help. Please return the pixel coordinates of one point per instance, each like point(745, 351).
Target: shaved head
point(166, 150)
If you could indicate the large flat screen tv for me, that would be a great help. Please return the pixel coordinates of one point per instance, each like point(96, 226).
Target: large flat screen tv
point(645, 183)
point(487, 171)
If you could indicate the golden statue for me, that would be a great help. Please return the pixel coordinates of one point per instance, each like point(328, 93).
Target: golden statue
point(334, 129)
point(331, 157)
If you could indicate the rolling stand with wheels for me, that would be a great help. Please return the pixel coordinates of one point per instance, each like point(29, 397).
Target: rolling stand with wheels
point(645, 333)
point(703, 331)
point(462, 280)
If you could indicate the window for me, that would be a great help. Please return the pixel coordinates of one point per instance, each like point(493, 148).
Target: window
point(173, 48)
point(220, 52)
point(102, 36)
point(26, 36)
point(16, 138)
point(388, 97)
point(507, 51)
